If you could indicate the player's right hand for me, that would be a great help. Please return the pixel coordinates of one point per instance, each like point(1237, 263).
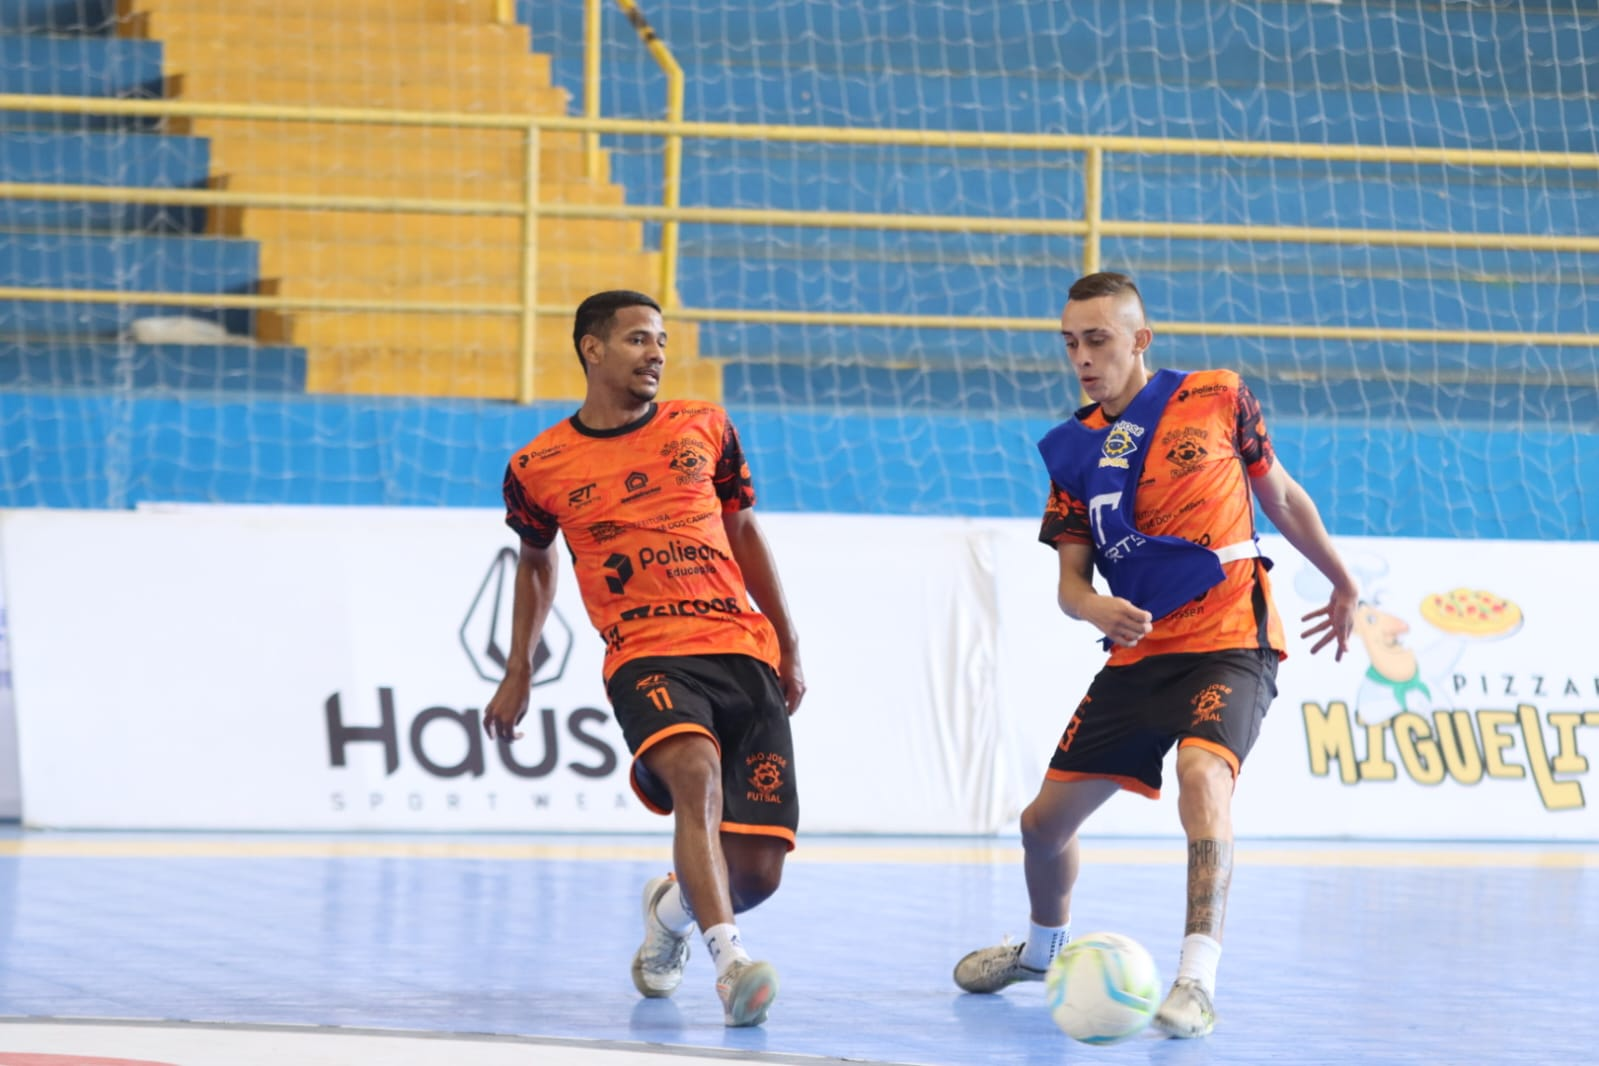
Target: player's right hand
point(508, 707)
point(1120, 620)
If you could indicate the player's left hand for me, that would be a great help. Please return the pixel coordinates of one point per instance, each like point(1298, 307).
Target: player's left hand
point(1337, 622)
point(792, 677)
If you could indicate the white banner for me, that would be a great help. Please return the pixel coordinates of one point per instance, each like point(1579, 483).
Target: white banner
point(1430, 728)
point(267, 668)
point(10, 785)
point(324, 669)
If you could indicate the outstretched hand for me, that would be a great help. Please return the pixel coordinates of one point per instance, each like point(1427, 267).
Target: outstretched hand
point(1336, 623)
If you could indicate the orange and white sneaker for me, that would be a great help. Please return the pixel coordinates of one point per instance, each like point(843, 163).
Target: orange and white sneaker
point(747, 990)
point(658, 963)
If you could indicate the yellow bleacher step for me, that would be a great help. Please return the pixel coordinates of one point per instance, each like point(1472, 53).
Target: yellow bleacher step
point(389, 147)
point(326, 24)
point(412, 153)
point(256, 78)
point(354, 328)
point(468, 11)
point(310, 60)
point(487, 374)
point(442, 186)
point(452, 332)
point(462, 140)
point(497, 99)
point(330, 268)
point(554, 234)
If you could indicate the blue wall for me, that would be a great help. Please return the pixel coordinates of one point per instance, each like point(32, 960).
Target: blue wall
point(92, 448)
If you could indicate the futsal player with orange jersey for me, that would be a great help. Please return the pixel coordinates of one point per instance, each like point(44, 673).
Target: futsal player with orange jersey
point(1154, 484)
point(655, 502)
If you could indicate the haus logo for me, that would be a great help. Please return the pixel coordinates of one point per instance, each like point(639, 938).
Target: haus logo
point(562, 767)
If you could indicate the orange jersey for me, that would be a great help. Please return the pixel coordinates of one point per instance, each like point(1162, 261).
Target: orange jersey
point(1194, 486)
point(641, 508)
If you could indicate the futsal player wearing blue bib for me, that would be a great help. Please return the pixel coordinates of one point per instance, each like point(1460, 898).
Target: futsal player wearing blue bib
point(1153, 484)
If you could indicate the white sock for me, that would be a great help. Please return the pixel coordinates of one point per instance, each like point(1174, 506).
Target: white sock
point(1043, 944)
point(672, 910)
point(1201, 954)
point(725, 946)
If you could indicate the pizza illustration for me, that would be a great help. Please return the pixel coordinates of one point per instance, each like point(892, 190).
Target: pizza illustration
point(1472, 613)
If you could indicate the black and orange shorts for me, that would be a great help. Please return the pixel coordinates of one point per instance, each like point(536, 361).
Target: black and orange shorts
point(1133, 714)
point(736, 701)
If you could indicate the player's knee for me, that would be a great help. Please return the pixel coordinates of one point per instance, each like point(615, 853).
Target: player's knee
point(752, 887)
point(690, 769)
point(1043, 830)
point(1204, 798)
point(1204, 776)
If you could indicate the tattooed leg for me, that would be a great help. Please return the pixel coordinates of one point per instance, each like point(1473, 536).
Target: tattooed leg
point(1204, 802)
point(1210, 872)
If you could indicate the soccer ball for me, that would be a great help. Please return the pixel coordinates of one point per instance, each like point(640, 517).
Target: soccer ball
point(1102, 988)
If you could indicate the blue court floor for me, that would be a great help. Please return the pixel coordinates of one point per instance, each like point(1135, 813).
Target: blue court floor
point(1343, 953)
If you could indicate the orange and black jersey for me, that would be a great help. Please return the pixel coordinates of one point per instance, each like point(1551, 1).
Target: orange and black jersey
point(641, 508)
point(1209, 441)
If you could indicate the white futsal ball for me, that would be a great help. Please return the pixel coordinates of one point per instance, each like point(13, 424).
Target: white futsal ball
point(1102, 988)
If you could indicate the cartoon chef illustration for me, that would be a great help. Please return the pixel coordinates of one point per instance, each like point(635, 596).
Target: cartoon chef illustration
point(1399, 677)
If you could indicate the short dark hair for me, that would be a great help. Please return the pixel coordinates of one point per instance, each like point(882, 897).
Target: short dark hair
point(1104, 283)
point(595, 314)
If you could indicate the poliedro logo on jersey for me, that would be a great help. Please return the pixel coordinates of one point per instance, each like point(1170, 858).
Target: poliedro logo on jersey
point(681, 558)
point(621, 572)
point(1121, 442)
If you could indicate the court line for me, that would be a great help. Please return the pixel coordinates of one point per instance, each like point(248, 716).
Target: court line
point(598, 1051)
point(1332, 854)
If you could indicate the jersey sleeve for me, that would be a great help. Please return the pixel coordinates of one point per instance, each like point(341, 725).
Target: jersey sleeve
point(734, 486)
point(531, 522)
point(1065, 519)
point(1250, 436)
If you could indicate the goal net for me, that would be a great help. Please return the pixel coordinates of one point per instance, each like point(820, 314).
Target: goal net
point(1439, 386)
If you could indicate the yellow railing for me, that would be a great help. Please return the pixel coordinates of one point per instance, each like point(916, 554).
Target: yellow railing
point(1093, 227)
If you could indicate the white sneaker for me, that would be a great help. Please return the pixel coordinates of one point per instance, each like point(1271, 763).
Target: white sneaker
point(1187, 1012)
point(747, 990)
point(991, 969)
point(658, 963)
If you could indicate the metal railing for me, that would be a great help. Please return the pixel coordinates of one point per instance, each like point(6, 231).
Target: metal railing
point(529, 209)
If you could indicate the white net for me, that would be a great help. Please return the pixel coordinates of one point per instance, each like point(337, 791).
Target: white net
point(1449, 431)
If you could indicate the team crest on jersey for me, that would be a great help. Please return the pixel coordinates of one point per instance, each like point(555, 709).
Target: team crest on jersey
point(690, 458)
point(1121, 442)
point(1185, 450)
